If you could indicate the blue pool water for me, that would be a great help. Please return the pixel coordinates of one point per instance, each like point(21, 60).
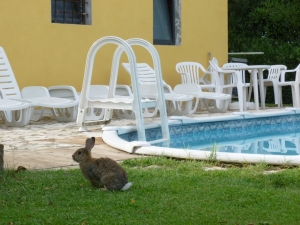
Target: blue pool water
point(277, 135)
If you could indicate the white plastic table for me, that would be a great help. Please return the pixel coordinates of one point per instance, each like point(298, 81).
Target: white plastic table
point(255, 70)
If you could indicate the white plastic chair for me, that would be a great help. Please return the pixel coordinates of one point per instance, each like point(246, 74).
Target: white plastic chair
point(228, 82)
point(195, 73)
point(242, 74)
point(38, 96)
point(147, 81)
point(247, 85)
point(294, 86)
point(273, 80)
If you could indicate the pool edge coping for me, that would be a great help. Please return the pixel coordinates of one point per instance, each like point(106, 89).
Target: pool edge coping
point(111, 138)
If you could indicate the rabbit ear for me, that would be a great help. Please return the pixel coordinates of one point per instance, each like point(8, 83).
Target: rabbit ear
point(89, 143)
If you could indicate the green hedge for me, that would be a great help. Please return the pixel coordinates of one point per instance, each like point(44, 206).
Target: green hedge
point(269, 26)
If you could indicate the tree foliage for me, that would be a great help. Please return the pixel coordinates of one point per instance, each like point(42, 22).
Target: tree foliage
point(269, 26)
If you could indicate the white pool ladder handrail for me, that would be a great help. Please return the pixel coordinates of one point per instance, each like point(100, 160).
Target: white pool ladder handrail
point(136, 103)
point(160, 101)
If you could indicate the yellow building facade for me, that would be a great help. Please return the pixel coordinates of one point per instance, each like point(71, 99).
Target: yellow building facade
point(43, 53)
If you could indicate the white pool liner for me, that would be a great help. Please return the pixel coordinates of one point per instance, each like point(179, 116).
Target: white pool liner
point(110, 137)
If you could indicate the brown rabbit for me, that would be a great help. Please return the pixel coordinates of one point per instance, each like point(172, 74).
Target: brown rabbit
point(103, 171)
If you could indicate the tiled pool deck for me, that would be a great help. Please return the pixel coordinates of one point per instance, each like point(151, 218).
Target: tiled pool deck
point(48, 144)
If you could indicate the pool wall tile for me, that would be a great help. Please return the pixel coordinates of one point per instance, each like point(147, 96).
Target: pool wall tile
point(226, 130)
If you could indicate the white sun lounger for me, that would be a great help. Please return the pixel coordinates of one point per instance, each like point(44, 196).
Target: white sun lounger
point(195, 90)
point(15, 113)
point(63, 106)
point(147, 82)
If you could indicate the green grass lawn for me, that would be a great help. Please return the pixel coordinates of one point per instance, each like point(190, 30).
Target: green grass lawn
point(165, 191)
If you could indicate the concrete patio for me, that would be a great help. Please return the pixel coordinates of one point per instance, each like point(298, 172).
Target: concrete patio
point(48, 144)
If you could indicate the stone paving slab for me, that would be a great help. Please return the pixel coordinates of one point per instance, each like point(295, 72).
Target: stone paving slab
point(48, 144)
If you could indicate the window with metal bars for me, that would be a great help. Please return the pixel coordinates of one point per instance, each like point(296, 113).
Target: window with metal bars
point(69, 11)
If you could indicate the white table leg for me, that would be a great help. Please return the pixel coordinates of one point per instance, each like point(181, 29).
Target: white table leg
point(255, 88)
point(262, 89)
point(241, 97)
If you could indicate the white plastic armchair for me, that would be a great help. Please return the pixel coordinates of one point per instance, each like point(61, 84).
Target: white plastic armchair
point(241, 73)
point(273, 80)
point(195, 73)
point(228, 82)
point(294, 86)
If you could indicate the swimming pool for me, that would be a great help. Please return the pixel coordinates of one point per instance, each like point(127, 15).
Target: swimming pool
point(272, 137)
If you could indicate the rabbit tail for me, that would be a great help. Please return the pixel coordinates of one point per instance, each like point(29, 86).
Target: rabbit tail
point(126, 186)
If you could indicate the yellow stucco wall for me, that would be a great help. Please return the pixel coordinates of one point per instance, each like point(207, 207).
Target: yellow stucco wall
point(44, 53)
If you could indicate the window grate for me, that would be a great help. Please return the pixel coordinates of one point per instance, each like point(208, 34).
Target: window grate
point(68, 11)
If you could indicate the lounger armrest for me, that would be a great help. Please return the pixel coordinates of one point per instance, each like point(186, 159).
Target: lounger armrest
point(64, 91)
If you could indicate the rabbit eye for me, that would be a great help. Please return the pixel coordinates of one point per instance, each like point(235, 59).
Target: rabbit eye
point(79, 153)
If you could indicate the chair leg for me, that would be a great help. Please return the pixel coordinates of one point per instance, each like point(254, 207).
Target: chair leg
point(250, 91)
point(240, 97)
point(280, 104)
point(265, 94)
point(218, 90)
point(244, 98)
point(275, 89)
point(296, 96)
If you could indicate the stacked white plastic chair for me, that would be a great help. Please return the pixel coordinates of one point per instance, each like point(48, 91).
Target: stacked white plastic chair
point(116, 102)
point(247, 90)
point(17, 107)
point(227, 79)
